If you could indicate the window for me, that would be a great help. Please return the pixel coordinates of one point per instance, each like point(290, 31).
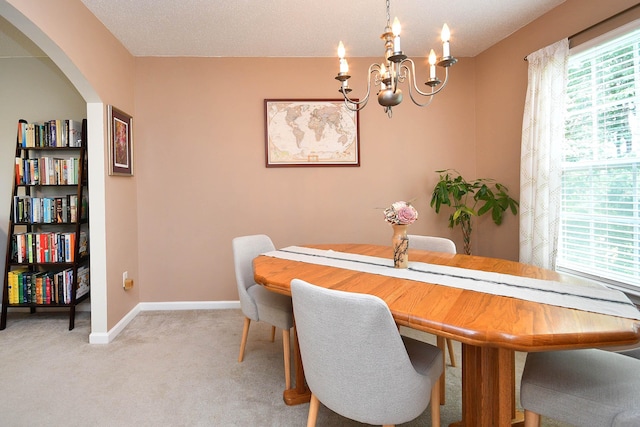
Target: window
point(600, 213)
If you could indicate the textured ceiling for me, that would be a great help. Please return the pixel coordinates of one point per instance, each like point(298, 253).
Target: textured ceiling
point(305, 28)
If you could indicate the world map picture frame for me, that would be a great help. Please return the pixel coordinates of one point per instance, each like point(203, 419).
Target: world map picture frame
point(311, 132)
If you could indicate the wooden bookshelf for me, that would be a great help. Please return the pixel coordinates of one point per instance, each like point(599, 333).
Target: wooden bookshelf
point(47, 260)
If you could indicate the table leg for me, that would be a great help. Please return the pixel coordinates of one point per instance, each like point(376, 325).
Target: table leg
point(488, 387)
point(300, 393)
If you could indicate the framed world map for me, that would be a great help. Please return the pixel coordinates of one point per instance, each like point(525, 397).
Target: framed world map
point(310, 132)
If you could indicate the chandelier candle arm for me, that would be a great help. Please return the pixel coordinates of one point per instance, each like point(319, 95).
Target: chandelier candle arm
point(395, 69)
point(351, 104)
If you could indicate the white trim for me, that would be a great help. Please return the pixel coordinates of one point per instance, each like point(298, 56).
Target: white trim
point(97, 216)
point(106, 338)
point(188, 305)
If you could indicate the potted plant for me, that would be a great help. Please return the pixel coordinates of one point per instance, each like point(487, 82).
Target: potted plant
point(465, 196)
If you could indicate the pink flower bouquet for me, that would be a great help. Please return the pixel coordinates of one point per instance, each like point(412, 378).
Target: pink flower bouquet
point(402, 213)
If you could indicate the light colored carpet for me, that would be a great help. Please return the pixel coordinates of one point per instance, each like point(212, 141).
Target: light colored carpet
point(176, 368)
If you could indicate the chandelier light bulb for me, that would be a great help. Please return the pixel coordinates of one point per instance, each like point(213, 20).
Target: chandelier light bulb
point(396, 27)
point(341, 50)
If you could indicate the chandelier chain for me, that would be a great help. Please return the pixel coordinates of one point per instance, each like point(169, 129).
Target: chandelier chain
point(388, 14)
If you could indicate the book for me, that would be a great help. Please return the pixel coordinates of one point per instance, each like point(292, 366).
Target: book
point(28, 291)
point(53, 140)
point(73, 208)
point(74, 129)
point(47, 288)
point(65, 209)
point(14, 281)
point(83, 244)
point(83, 281)
point(59, 217)
point(37, 277)
point(22, 133)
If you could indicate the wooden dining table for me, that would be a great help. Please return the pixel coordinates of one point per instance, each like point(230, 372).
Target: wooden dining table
point(490, 327)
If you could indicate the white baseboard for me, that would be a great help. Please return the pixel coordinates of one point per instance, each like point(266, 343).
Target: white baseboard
point(107, 337)
point(188, 305)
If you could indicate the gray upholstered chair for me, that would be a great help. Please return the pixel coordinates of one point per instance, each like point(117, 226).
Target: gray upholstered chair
point(435, 244)
point(582, 387)
point(357, 364)
point(256, 302)
point(632, 352)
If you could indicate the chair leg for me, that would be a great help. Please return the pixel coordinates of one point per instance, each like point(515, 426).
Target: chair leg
point(531, 419)
point(452, 355)
point(245, 333)
point(273, 333)
point(435, 404)
point(314, 405)
point(440, 342)
point(286, 349)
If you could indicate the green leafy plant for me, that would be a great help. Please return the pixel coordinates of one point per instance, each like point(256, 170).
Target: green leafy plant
point(469, 199)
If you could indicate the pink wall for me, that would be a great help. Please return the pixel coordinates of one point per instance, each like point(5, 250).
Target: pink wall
point(199, 147)
point(202, 178)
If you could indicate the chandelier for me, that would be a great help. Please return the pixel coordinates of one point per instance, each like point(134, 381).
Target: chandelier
point(395, 69)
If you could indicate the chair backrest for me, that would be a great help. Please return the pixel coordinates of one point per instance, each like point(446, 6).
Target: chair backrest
point(245, 249)
point(432, 243)
point(354, 359)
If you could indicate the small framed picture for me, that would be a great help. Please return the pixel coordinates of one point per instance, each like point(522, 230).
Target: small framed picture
point(120, 142)
point(310, 132)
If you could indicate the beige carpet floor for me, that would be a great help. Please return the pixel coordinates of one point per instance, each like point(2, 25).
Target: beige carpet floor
point(176, 368)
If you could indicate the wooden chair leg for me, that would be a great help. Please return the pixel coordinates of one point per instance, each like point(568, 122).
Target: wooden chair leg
point(314, 405)
point(245, 334)
point(531, 419)
point(435, 404)
point(286, 349)
point(273, 333)
point(441, 345)
point(452, 355)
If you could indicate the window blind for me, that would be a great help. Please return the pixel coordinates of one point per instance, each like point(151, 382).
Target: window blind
point(600, 213)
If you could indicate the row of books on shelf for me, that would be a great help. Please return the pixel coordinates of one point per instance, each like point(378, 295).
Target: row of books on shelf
point(47, 247)
point(46, 287)
point(52, 133)
point(48, 210)
point(47, 170)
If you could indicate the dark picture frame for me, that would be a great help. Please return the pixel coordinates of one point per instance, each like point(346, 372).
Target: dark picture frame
point(120, 142)
point(311, 132)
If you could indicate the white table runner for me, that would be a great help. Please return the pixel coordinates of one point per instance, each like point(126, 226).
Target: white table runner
point(597, 299)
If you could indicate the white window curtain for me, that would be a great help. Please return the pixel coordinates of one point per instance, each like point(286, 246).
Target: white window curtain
point(540, 158)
